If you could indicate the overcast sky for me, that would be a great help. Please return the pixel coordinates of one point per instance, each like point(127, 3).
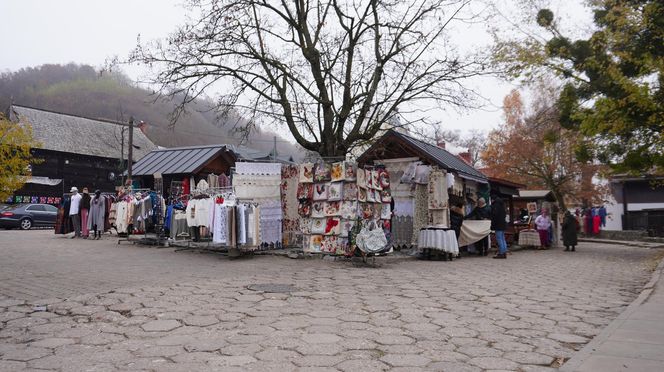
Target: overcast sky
point(36, 32)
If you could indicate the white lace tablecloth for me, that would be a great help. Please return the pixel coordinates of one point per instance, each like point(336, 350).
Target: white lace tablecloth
point(527, 238)
point(442, 240)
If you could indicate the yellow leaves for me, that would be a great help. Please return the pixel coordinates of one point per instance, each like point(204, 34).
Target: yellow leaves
point(16, 141)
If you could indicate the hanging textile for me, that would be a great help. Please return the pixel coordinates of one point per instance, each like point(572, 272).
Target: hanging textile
point(289, 203)
point(220, 231)
point(421, 215)
point(270, 222)
point(473, 231)
point(258, 168)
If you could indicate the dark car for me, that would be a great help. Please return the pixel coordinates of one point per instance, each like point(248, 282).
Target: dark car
point(27, 216)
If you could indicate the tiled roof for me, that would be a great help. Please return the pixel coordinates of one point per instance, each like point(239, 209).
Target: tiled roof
point(79, 135)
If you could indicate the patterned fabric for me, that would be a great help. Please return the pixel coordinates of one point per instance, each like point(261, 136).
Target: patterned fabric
point(322, 172)
point(289, 202)
point(335, 190)
point(338, 172)
point(438, 198)
point(421, 218)
point(270, 222)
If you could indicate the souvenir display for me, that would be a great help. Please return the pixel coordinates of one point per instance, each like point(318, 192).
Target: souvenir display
point(337, 173)
point(348, 209)
point(332, 208)
point(386, 212)
point(370, 196)
point(306, 173)
point(318, 225)
point(346, 226)
point(383, 179)
point(335, 191)
point(304, 209)
point(361, 179)
point(350, 171)
point(305, 191)
point(340, 194)
point(366, 210)
point(329, 244)
point(375, 180)
point(305, 225)
point(322, 172)
point(362, 195)
point(318, 209)
point(349, 191)
point(333, 226)
point(321, 191)
point(315, 243)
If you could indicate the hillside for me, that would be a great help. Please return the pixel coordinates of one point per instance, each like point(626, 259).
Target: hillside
point(82, 90)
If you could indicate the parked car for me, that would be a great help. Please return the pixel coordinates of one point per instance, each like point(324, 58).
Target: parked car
point(27, 216)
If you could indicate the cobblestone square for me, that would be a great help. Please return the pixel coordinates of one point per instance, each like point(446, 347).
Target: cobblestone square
point(123, 307)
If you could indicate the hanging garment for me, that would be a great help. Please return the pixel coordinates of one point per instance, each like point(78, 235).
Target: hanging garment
point(602, 215)
point(220, 228)
point(241, 224)
point(421, 218)
point(438, 198)
point(224, 181)
point(597, 221)
point(97, 212)
point(213, 180)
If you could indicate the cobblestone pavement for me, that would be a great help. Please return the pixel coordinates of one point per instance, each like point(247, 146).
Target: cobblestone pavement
point(113, 307)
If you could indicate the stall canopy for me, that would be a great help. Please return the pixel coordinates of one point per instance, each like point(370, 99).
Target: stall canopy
point(398, 145)
point(182, 160)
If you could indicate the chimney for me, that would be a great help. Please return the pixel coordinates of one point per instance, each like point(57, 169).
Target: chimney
point(143, 126)
point(465, 156)
point(441, 144)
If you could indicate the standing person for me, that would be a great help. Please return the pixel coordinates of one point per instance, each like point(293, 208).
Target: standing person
point(97, 213)
point(85, 211)
point(74, 209)
point(499, 225)
point(456, 218)
point(481, 212)
point(543, 222)
point(570, 229)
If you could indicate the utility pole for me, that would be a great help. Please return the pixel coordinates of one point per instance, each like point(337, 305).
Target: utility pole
point(274, 149)
point(130, 149)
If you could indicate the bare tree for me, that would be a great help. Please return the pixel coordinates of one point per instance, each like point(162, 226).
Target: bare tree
point(332, 71)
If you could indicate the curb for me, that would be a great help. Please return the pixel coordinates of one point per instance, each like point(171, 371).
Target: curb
point(582, 355)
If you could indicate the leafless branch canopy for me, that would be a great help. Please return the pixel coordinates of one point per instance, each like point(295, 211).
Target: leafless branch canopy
point(334, 71)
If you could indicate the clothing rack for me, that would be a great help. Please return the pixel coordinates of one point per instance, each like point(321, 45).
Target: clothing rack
point(144, 239)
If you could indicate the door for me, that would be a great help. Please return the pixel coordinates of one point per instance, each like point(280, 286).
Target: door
point(50, 215)
point(38, 214)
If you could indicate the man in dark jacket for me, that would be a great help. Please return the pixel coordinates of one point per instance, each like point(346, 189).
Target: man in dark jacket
point(456, 218)
point(481, 212)
point(499, 225)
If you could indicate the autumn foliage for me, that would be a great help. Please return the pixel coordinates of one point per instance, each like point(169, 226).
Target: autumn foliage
point(15, 156)
point(531, 148)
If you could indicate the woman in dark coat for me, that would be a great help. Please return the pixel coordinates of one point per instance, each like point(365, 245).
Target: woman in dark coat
point(570, 229)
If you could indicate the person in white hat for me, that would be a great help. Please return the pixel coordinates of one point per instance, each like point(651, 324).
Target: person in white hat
point(74, 209)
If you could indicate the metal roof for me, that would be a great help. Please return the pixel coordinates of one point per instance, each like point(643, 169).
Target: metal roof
point(179, 160)
point(443, 158)
point(75, 134)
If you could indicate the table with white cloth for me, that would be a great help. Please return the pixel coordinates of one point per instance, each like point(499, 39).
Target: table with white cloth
point(529, 238)
point(434, 240)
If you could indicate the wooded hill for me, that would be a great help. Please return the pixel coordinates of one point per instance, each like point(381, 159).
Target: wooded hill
point(83, 90)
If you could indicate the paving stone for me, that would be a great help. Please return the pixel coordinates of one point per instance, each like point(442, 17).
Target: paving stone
point(493, 363)
point(452, 366)
point(405, 360)
point(232, 360)
point(321, 338)
point(12, 366)
point(572, 339)
point(24, 354)
point(52, 342)
point(200, 321)
point(394, 340)
point(362, 365)
point(318, 360)
point(161, 325)
point(528, 358)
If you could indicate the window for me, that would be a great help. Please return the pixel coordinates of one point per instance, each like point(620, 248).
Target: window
point(50, 208)
point(35, 208)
